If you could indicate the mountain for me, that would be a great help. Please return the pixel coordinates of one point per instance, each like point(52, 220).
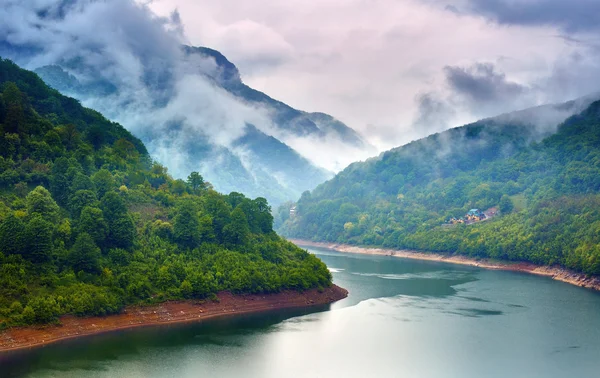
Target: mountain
point(258, 162)
point(539, 186)
point(90, 224)
point(284, 116)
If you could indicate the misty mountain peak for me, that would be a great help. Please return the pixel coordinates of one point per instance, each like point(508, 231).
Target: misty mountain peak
point(224, 72)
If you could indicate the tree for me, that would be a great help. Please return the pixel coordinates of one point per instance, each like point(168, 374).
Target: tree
point(186, 227)
point(237, 231)
point(178, 187)
point(92, 222)
point(235, 199)
point(81, 199)
point(81, 182)
point(59, 182)
point(505, 205)
point(38, 235)
point(207, 232)
point(121, 230)
point(124, 148)
point(41, 310)
point(196, 181)
point(104, 182)
point(12, 235)
point(85, 254)
point(113, 206)
point(70, 136)
point(220, 211)
point(39, 201)
point(15, 115)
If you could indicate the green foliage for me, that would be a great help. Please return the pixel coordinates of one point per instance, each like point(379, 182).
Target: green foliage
point(92, 223)
point(40, 202)
point(547, 194)
point(186, 228)
point(505, 205)
point(12, 235)
point(121, 230)
point(104, 227)
point(196, 181)
point(38, 237)
point(104, 182)
point(85, 254)
point(237, 231)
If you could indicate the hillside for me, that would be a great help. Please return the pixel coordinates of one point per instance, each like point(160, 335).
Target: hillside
point(90, 223)
point(243, 160)
point(546, 192)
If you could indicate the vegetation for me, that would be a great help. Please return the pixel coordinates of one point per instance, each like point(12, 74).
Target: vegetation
point(89, 224)
point(548, 194)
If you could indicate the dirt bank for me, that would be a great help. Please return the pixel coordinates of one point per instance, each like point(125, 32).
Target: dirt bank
point(166, 313)
point(555, 272)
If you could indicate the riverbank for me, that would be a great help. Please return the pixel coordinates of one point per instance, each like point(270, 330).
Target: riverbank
point(166, 313)
point(555, 272)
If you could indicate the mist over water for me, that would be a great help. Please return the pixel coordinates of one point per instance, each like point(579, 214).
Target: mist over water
point(403, 318)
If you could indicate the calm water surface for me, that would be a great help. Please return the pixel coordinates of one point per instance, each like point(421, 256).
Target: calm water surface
point(403, 318)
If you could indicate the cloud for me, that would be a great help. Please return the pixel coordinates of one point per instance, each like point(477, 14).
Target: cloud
point(570, 16)
point(257, 47)
point(434, 114)
point(483, 89)
point(366, 61)
point(148, 85)
point(393, 70)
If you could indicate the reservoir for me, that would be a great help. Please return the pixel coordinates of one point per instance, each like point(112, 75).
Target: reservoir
point(403, 318)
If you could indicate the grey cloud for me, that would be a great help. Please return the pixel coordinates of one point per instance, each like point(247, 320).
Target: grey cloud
point(481, 84)
point(570, 16)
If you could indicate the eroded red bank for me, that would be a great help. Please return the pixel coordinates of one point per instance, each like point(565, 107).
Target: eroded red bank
point(166, 313)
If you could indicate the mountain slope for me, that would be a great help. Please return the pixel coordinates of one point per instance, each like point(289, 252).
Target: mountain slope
point(284, 116)
point(89, 224)
point(252, 168)
point(547, 193)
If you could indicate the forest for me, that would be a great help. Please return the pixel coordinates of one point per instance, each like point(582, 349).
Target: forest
point(546, 187)
point(89, 223)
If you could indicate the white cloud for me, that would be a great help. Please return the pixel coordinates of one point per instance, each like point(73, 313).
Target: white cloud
point(365, 62)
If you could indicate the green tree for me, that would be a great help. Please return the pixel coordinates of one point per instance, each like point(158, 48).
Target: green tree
point(59, 182)
point(85, 254)
point(178, 187)
point(15, 114)
point(81, 199)
point(39, 201)
point(104, 182)
point(121, 230)
point(81, 182)
point(12, 235)
point(92, 222)
point(44, 310)
point(506, 204)
point(196, 181)
point(38, 235)
point(237, 231)
point(186, 227)
point(206, 229)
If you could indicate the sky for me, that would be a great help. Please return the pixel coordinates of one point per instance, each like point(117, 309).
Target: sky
point(397, 70)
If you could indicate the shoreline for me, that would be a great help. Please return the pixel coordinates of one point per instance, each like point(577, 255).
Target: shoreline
point(166, 313)
point(555, 272)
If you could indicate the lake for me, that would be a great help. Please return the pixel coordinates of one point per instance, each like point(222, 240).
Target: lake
point(403, 318)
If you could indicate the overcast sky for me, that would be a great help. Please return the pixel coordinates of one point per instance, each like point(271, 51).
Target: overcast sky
point(396, 70)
